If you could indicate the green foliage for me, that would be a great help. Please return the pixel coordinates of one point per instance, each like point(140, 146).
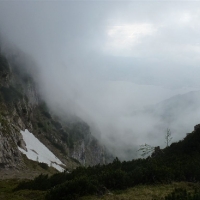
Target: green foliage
point(73, 189)
point(41, 182)
point(182, 194)
point(178, 162)
point(7, 192)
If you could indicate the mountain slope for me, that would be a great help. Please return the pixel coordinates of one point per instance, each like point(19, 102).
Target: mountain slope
point(22, 108)
point(178, 114)
point(178, 162)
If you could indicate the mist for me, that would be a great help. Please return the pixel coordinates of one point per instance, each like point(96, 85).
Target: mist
point(104, 61)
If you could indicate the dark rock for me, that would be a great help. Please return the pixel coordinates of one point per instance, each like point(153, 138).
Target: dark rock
point(22, 144)
point(197, 127)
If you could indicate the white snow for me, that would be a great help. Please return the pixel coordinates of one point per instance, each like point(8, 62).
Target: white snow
point(39, 152)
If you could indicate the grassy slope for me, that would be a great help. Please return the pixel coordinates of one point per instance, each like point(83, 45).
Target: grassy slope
point(7, 193)
point(144, 192)
point(30, 171)
point(140, 192)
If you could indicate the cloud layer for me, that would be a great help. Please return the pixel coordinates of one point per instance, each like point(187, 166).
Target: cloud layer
point(103, 60)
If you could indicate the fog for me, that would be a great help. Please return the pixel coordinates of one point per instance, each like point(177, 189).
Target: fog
point(104, 61)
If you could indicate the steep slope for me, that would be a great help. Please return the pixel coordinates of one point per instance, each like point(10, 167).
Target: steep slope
point(35, 150)
point(177, 106)
point(178, 162)
point(22, 108)
point(178, 113)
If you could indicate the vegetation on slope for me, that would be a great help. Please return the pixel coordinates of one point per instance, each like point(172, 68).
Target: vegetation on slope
point(179, 162)
point(7, 192)
point(140, 192)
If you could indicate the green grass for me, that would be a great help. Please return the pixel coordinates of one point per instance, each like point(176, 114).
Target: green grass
point(7, 193)
point(143, 192)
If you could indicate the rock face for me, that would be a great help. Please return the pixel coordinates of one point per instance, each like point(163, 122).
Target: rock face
point(88, 152)
point(22, 108)
point(10, 157)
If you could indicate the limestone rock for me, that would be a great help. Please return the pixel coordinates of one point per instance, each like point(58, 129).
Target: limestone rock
point(22, 144)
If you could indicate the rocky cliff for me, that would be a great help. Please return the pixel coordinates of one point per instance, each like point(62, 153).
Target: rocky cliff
point(22, 108)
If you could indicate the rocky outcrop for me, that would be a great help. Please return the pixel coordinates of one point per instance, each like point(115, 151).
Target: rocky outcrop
point(10, 157)
point(4, 71)
point(21, 143)
point(88, 153)
point(21, 108)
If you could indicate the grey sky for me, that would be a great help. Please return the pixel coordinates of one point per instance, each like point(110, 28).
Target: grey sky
point(101, 60)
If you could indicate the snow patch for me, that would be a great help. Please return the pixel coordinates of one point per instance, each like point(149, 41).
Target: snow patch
point(39, 152)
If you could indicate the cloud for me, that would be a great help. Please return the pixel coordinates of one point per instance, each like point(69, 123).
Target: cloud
point(122, 39)
point(103, 60)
